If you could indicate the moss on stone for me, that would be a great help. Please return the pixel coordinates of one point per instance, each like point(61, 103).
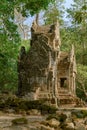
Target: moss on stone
point(19, 121)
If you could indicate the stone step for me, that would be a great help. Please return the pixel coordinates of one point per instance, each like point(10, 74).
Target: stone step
point(66, 95)
point(43, 95)
point(67, 105)
point(67, 101)
point(63, 91)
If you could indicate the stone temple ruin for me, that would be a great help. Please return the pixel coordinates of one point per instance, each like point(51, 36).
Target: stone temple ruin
point(45, 72)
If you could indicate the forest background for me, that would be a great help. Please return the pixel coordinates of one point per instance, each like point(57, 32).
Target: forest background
point(15, 32)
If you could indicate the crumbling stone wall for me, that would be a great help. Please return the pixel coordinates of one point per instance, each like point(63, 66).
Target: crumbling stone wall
point(37, 68)
point(44, 68)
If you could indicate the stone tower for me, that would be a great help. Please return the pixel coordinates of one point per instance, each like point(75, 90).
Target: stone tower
point(45, 72)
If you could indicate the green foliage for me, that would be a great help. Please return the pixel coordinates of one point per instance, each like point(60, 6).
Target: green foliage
point(84, 112)
point(61, 117)
point(78, 11)
point(81, 81)
point(34, 6)
point(8, 67)
point(7, 26)
point(40, 106)
point(54, 12)
point(80, 113)
point(20, 104)
point(9, 52)
point(82, 73)
point(75, 35)
point(19, 121)
point(26, 44)
point(77, 113)
point(78, 16)
point(7, 11)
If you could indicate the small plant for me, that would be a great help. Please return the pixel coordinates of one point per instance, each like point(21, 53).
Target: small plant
point(52, 116)
point(78, 113)
point(62, 117)
point(20, 121)
point(47, 109)
point(84, 112)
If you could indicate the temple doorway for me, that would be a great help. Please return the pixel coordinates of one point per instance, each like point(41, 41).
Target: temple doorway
point(63, 82)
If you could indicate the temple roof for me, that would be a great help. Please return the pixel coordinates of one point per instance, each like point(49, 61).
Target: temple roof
point(41, 29)
point(64, 56)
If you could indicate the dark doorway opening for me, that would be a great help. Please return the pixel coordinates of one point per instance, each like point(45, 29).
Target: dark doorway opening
point(63, 82)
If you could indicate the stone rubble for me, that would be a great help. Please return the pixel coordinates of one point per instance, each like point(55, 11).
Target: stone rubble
point(42, 123)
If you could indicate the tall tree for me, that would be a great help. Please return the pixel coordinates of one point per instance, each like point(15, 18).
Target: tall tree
point(78, 13)
point(54, 12)
point(22, 27)
point(25, 7)
point(9, 37)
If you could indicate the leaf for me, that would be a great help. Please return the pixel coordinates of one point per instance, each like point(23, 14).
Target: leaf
point(84, 7)
point(78, 16)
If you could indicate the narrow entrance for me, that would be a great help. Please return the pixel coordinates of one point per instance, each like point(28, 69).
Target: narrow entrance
point(63, 82)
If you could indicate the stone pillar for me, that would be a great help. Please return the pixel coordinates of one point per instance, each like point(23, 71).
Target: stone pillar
point(74, 86)
point(69, 79)
point(49, 59)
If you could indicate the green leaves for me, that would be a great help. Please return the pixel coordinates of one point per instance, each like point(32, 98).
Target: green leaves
point(8, 66)
point(78, 11)
point(81, 81)
point(54, 12)
point(34, 6)
point(8, 26)
point(84, 7)
point(25, 7)
point(78, 16)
